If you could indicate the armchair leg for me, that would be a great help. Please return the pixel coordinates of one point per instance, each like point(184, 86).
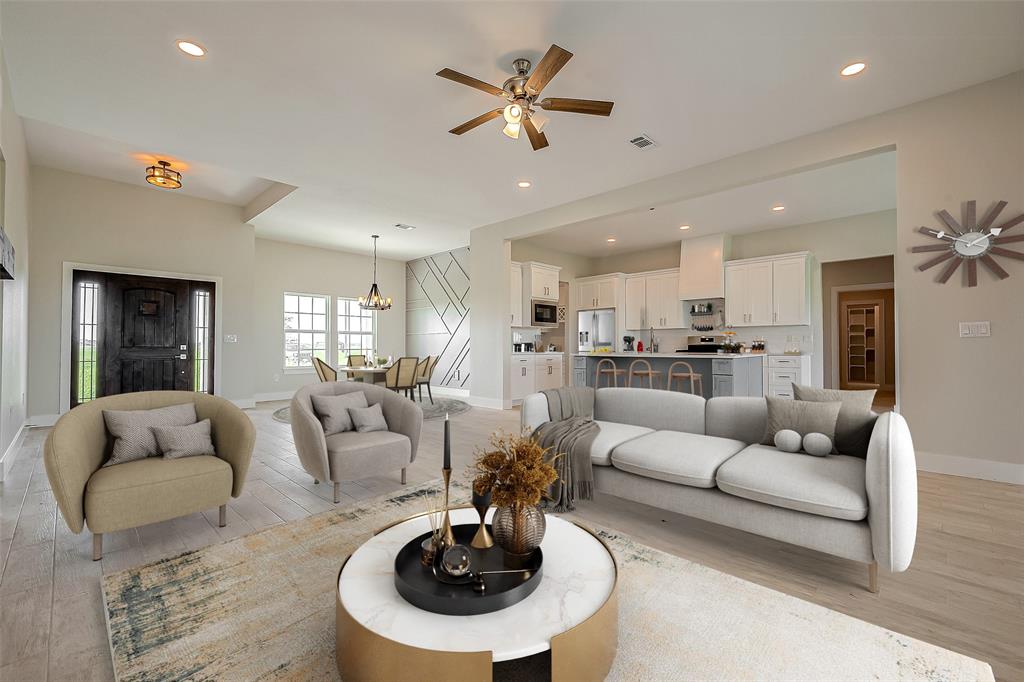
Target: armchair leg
point(403, 476)
point(223, 515)
point(97, 546)
point(873, 577)
point(430, 394)
point(337, 492)
point(316, 481)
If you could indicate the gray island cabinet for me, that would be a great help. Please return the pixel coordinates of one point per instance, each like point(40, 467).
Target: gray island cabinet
point(723, 374)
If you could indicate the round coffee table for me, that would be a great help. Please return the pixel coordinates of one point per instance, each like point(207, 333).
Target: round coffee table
point(573, 612)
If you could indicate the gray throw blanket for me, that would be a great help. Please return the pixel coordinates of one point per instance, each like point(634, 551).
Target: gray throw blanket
point(570, 433)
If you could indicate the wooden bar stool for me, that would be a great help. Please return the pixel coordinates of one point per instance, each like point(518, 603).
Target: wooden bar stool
point(641, 372)
point(612, 372)
point(696, 380)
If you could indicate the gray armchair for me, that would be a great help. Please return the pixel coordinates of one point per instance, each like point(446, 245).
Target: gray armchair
point(350, 456)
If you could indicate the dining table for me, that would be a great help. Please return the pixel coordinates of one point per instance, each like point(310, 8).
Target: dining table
point(371, 375)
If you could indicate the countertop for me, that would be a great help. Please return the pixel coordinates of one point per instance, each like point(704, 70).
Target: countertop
point(719, 356)
point(543, 354)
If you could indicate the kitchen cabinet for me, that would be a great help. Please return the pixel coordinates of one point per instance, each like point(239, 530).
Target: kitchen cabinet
point(541, 281)
point(653, 301)
point(516, 294)
point(596, 293)
point(785, 370)
point(764, 292)
point(522, 371)
point(701, 267)
point(548, 373)
point(789, 291)
point(636, 302)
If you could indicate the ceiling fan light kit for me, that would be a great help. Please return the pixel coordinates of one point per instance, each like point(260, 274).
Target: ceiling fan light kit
point(970, 243)
point(521, 92)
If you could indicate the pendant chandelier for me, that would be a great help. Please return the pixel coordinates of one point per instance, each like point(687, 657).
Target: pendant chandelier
point(373, 300)
point(163, 175)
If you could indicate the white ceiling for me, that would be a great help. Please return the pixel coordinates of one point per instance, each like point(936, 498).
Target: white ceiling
point(843, 189)
point(340, 99)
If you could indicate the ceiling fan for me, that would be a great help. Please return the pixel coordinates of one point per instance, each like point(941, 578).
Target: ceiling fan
point(521, 92)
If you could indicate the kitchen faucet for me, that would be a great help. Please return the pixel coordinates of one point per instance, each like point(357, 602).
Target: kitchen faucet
point(650, 349)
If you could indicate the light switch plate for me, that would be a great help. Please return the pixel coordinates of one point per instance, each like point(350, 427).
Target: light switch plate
point(231, 338)
point(975, 329)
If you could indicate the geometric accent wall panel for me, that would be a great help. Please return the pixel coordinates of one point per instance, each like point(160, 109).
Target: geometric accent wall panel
point(437, 314)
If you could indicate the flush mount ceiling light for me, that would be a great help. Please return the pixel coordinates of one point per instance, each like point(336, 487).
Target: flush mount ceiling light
point(162, 175)
point(610, 240)
point(852, 69)
point(403, 226)
point(373, 300)
point(191, 49)
point(524, 184)
point(684, 227)
point(778, 208)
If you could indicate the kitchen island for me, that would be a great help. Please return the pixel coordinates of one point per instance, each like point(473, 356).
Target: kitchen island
point(723, 374)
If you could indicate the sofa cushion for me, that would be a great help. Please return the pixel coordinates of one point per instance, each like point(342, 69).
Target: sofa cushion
point(855, 421)
point(332, 410)
point(352, 454)
point(611, 436)
point(676, 457)
point(830, 486)
point(652, 409)
point(133, 429)
point(185, 441)
point(154, 489)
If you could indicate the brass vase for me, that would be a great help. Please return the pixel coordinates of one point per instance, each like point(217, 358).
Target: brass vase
point(518, 530)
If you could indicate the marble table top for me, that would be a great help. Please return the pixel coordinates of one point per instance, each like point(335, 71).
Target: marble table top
point(578, 577)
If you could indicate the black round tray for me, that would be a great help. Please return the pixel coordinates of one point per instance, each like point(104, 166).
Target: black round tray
point(420, 587)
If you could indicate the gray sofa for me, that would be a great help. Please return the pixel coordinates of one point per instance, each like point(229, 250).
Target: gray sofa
point(350, 455)
point(702, 458)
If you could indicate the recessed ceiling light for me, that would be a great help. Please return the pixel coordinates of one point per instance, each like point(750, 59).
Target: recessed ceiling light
point(684, 227)
point(610, 240)
point(778, 208)
point(191, 49)
point(852, 69)
point(403, 226)
point(523, 184)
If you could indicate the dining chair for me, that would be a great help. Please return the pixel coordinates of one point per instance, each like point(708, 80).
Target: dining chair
point(424, 375)
point(324, 371)
point(355, 361)
point(643, 370)
point(401, 376)
point(611, 372)
point(696, 380)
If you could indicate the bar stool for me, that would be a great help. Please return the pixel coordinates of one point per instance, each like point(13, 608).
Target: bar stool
point(612, 372)
point(641, 373)
point(688, 374)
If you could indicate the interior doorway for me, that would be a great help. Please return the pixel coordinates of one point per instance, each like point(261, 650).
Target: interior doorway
point(140, 333)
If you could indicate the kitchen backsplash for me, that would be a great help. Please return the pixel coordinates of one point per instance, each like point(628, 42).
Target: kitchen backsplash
point(776, 338)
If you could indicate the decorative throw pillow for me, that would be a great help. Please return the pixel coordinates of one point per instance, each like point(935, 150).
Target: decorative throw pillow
point(788, 440)
point(817, 444)
point(185, 441)
point(856, 420)
point(802, 417)
point(368, 418)
point(133, 430)
point(333, 410)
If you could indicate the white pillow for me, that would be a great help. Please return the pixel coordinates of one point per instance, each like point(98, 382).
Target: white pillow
point(787, 440)
point(817, 444)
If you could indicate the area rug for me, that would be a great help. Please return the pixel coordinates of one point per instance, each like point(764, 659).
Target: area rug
point(262, 607)
point(437, 410)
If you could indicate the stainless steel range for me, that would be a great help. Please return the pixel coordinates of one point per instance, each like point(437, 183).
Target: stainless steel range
point(702, 344)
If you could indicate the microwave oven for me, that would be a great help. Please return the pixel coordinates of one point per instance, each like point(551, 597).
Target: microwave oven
point(543, 314)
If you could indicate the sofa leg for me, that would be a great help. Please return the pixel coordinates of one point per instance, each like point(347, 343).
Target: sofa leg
point(97, 546)
point(403, 476)
point(873, 577)
point(223, 521)
point(337, 492)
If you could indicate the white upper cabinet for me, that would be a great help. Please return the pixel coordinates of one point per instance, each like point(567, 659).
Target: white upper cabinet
point(701, 267)
point(586, 295)
point(762, 292)
point(606, 292)
point(516, 294)
point(653, 301)
point(636, 303)
point(542, 281)
point(789, 291)
point(596, 293)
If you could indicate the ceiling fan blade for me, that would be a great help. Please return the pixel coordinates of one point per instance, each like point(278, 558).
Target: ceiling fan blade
point(948, 272)
point(537, 138)
point(473, 123)
point(471, 82)
point(550, 64)
point(593, 107)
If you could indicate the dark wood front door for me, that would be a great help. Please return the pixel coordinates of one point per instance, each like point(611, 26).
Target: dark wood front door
point(148, 334)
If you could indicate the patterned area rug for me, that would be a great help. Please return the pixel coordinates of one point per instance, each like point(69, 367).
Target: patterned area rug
point(437, 410)
point(262, 607)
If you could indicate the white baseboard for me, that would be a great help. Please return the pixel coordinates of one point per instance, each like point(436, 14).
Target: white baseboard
point(489, 403)
point(7, 459)
point(268, 397)
point(449, 391)
point(42, 420)
point(970, 467)
point(244, 403)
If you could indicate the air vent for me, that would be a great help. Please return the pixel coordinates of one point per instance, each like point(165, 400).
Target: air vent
point(403, 226)
point(643, 141)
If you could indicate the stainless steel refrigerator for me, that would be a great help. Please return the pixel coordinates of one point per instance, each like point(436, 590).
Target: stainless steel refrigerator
point(596, 330)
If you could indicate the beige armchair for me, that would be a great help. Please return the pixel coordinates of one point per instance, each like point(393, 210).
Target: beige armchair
point(147, 490)
point(350, 455)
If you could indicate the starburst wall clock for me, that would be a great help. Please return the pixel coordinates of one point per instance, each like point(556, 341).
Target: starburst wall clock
point(971, 243)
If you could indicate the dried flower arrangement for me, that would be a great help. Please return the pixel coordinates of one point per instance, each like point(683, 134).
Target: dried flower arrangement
point(514, 470)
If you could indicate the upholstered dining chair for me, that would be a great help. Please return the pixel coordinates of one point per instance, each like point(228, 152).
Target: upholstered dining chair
point(357, 360)
point(424, 373)
point(401, 376)
point(151, 489)
point(324, 371)
point(352, 455)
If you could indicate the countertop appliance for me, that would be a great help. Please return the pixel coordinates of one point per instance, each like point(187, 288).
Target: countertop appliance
point(627, 342)
point(543, 314)
point(596, 330)
point(702, 344)
point(528, 347)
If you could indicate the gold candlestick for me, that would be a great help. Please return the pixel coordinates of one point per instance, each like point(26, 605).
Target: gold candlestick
point(447, 536)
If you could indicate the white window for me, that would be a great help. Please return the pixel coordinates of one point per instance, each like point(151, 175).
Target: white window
point(305, 329)
point(355, 330)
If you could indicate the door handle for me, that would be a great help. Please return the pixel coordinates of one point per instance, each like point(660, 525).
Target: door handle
point(183, 356)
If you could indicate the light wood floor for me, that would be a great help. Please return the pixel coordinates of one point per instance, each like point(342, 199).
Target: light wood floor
point(964, 591)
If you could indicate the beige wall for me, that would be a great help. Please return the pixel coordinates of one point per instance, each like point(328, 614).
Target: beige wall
point(14, 298)
point(856, 272)
point(963, 145)
point(282, 267)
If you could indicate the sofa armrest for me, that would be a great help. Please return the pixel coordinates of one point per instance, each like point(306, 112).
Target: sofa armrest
point(891, 482)
point(234, 438)
point(310, 442)
point(533, 412)
point(74, 451)
point(405, 417)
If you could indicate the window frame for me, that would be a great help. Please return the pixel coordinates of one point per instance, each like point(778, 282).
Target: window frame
point(303, 369)
point(372, 314)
